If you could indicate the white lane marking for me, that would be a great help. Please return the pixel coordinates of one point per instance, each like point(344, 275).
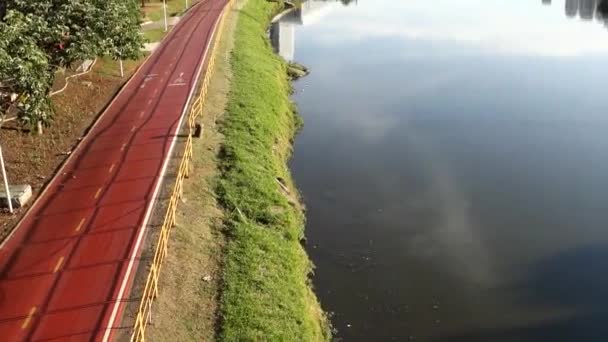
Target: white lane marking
point(80, 224)
point(58, 264)
point(71, 157)
point(146, 79)
point(135, 249)
point(179, 81)
point(28, 318)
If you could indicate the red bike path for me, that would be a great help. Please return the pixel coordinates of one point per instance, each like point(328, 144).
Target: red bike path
point(67, 269)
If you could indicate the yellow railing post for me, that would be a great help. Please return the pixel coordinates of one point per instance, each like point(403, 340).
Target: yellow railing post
point(151, 288)
point(155, 278)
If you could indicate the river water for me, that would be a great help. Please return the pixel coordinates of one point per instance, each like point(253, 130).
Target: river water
point(454, 163)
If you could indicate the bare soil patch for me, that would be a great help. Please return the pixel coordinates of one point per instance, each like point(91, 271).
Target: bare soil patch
point(33, 159)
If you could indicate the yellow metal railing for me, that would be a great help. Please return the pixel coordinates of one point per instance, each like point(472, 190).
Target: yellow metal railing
point(150, 292)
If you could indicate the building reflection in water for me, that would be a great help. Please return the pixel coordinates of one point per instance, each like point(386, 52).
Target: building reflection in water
point(282, 30)
point(282, 36)
point(586, 9)
point(572, 8)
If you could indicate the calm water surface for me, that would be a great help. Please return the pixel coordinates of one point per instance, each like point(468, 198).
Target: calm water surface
point(454, 162)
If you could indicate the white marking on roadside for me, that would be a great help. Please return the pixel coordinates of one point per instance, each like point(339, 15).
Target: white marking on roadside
point(142, 230)
point(80, 224)
point(37, 202)
point(58, 265)
point(179, 81)
point(28, 318)
point(146, 79)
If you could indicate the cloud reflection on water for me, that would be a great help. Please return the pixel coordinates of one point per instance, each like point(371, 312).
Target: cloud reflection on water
point(472, 24)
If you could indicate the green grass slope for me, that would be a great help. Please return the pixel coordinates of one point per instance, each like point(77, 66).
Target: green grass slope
point(267, 294)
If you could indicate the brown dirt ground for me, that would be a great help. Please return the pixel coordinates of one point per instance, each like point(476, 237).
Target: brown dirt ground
point(33, 159)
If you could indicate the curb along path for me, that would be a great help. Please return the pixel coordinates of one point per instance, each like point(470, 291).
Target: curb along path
point(67, 269)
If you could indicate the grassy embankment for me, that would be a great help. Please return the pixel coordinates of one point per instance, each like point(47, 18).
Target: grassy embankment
point(267, 294)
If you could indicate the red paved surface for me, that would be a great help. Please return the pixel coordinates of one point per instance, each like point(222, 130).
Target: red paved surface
point(68, 267)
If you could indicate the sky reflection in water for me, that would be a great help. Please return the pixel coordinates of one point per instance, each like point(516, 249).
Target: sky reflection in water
point(454, 163)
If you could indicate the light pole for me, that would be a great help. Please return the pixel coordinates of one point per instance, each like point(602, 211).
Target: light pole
point(165, 14)
point(8, 192)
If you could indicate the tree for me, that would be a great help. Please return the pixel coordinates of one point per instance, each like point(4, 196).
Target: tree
point(121, 27)
point(59, 33)
point(24, 77)
point(71, 32)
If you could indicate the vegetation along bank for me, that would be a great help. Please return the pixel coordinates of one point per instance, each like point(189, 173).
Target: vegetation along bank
point(267, 294)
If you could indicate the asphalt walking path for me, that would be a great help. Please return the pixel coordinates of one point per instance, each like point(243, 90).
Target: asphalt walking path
point(67, 269)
